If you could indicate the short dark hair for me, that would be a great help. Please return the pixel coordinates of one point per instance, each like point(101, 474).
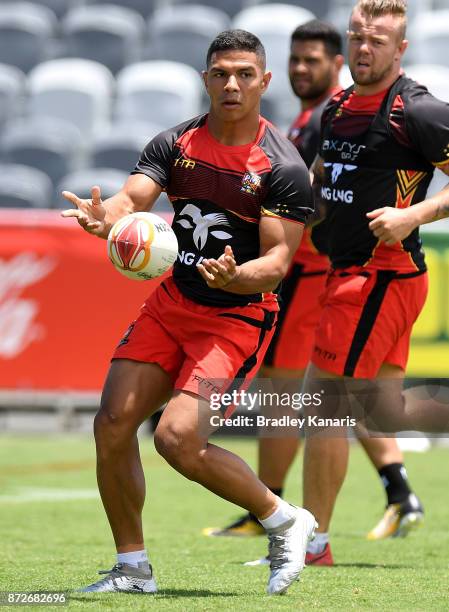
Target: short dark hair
point(320, 30)
point(237, 40)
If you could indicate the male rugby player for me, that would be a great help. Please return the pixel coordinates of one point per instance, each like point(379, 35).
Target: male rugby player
point(315, 62)
point(206, 328)
point(380, 143)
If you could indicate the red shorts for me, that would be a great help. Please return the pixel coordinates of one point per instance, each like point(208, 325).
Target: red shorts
point(204, 349)
point(367, 320)
point(293, 340)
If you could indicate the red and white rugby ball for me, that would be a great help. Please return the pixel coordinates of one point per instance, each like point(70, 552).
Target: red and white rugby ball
point(142, 246)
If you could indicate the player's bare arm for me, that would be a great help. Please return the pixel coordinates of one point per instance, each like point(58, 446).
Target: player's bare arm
point(279, 240)
point(393, 224)
point(317, 178)
point(96, 217)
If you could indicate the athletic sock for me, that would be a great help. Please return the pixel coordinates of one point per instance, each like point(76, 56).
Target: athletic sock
point(283, 513)
point(318, 544)
point(277, 492)
point(133, 558)
point(394, 479)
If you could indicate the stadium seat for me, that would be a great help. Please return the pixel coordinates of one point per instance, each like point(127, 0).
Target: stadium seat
point(165, 93)
point(81, 182)
point(144, 7)
point(26, 33)
point(183, 33)
point(273, 24)
point(111, 35)
point(59, 7)
point(50, 145)
point(12, 82)
point(24, 187)
point(429, 33)
point(319, 7)
point(121, 146)
point(76, 90)
point(433, 76)
point(230, 7)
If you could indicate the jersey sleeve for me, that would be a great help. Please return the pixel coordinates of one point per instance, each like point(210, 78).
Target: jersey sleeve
point(427, 123)
point(289, 190)
point(157, 157)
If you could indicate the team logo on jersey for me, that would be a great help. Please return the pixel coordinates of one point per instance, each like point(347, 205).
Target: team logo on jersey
point(338, 195)
point(251, 183)
point(201, 225)
point(337, 170)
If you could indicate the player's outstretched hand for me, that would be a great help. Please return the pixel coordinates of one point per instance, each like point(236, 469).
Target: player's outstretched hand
point(391, 225)
point(90, 214)
point(219, 272)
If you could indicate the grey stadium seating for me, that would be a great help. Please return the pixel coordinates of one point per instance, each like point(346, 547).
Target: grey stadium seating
point(48, 144)
point(81, 182)
point(76, 90)
point(319, 7)
point(429, 33)
point(12, 84)
point(59, 7)
point(24, 187)
point(161, 92)
point(111, 35)
point(231, 7)
point(120, 147)
point(144, 7)
point(183, 33)
point(26, 33)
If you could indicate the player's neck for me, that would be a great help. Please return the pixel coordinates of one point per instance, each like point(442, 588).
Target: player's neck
point(312, 102)
point(233, 133)
point(375, 88)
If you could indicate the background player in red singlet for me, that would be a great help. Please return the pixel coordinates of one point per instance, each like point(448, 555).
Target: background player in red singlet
point(315, 62)
point(240, 204)
point(380, 143)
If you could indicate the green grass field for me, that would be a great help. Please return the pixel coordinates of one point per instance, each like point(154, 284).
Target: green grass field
point(59, 544)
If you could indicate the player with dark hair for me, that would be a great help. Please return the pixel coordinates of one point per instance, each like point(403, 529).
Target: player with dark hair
point(380, 143)
point(241, 195)
point(315, 62)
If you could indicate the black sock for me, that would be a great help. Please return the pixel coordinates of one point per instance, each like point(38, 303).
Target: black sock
point(277, 492)
point(394, 478)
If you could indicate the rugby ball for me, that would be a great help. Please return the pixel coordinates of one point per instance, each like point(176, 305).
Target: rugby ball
point(142, 246)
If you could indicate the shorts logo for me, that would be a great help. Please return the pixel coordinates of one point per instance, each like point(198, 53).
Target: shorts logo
point(251, 183)
point(125, 338)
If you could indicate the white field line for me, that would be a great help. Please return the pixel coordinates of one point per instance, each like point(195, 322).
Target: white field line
point(48, 495)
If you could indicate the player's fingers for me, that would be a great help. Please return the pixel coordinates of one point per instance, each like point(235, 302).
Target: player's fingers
point(375, 224)
point(96, 195)
point(204, 273)
point(74, 212)
point(71, 197)
point(376, 213)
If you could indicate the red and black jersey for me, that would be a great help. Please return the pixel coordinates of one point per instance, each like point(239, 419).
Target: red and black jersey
point(219, 194)
point(379, 151)
point(304, 133)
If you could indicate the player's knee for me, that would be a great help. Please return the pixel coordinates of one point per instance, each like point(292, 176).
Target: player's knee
point(111, 432)
point(178, 449)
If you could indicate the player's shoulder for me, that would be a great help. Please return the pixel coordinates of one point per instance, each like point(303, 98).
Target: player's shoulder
point(172, 134)
point(420, 105)
point(278, 148)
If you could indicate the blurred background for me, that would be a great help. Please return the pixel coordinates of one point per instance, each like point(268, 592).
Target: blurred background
point(84, 84)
